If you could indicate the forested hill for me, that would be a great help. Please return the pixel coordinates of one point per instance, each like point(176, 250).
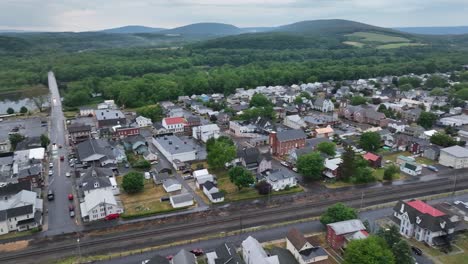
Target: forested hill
point(206, 29)
point(132, 30)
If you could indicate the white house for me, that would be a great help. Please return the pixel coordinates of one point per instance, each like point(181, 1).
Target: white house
point(253, 253)
point(302, 250)
point(171, 185)
point(181, 200)
point(411, 168)
point(205, 132)
point(324, 105)
point(294, 122)
point(279, 179)
point(242, 129)
point(86, 111)
point(212, 192)
point(174, 124)
point(20, 212)
point(423, 222)
point(202, 176)
point(143, 121)
point(455, 157)
point(98, 204)
point(325, 132)
point(174, 148)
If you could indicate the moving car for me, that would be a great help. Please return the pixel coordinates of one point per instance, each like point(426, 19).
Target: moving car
point(416, 250)
point(432, 168)
point(50, 195)
point(72, 213)
point(62, 158)
point(70, 196)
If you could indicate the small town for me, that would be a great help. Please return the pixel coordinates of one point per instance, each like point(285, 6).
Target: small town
point(103, 166)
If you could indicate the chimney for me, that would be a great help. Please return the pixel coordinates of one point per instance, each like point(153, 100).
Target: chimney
point(170, 142)
point(273, 142)
point(176, 147)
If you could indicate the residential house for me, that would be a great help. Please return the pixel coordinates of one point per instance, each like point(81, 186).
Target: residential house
point(294, 122)
point(174, 148)
point(225, 253)
point(283, 142)
point(212, 192)
point(184, 257)
point(122, 132)
point(8, 190)
point(332, 167)
point(206, 132)
point(411, 168)
point(411, 115)
point(243, 129)
point(311, 145)
point(181, 200)
point(79, 132)
point(253, 160)
point(96, 151)
point(412, 144)
point(86, 111)
point(321, 120)
point(171, 185)
point(454, 157)
point(192, 121)
point(364, 114)
point(5, 145)
point(98, 204)
point(22, 211)
point(26, 165)
point(323, 105)
point(374, 160)
point(151, 157)
point(432, 152)
point(280, 179)
point(423, 222)
point(110, 118)
point(136, 144)
point(159, 177)
point(325, 132)
point(202, 176)
point(174, 124)
point(339, 234)
point(223, 120)
point(253, 253)
point(142, 121)
point(95, 178)
point(303, 251)
point(175, 111)
point(397, 126)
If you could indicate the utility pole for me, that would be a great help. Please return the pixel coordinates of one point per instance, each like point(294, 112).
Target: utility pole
point(362, 200)
point(79, 250)
point(454, 186)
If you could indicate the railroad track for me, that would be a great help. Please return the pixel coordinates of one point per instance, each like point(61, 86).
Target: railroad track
point(269, 215)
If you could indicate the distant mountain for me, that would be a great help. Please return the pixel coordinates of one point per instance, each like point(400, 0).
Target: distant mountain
point(435, 30)
point(206, 29)
point(257, 29)
point(132, 30)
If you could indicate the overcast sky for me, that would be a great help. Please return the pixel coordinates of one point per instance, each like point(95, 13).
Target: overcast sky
point(83, 15)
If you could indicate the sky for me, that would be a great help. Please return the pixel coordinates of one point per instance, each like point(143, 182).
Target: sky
point(86, 15)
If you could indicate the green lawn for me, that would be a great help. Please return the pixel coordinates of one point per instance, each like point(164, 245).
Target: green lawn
point(19, 234)
point(233, 194)
point(375, 37)
point(393, 156)
point(398, 45)
point(354, 44)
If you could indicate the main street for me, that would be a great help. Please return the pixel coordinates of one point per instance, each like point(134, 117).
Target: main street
point(58, 217)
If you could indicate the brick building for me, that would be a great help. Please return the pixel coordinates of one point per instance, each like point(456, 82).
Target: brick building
point(339, 234)
point(283, 142)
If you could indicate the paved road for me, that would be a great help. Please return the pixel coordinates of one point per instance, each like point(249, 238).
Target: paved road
point(269, 235)
point(59, 220)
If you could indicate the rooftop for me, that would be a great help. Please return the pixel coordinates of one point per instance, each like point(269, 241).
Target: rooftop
point(293, 134)
point(348, 226)
point(174, 144)
point(109, 114)
point(456, 151)
point(174, 120)
point(425, 208)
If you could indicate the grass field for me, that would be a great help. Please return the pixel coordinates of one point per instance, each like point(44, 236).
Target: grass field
point(233, 193)
point(147, 201)
point(392, 157)
point(354, 44)
point(398, 45)
point(375, 37)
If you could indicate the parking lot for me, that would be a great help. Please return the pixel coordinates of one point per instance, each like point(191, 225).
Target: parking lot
point(29, 127)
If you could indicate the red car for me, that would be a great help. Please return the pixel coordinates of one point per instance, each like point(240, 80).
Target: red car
point(70, 197)
point(62, 158)
point(112, 217)
point(197, 251)
point(170, 257)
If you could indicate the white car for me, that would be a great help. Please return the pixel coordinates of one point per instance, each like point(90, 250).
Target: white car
point(284, 163)
point(51, 165)
point(51, 172)
point(67, 174)
point(294, 169)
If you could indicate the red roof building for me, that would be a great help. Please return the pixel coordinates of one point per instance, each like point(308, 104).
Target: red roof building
point(424, 208)
point(339, 234)
point(174, 124)
point(373, 159)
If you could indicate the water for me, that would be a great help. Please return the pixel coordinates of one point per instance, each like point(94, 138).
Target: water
point(16, 100)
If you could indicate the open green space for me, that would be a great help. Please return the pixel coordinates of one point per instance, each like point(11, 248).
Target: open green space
point(398, 45)
point(393, 156)
point(376, 37)
point(354, 44)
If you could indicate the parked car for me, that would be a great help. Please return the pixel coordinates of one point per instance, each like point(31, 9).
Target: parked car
point(60, 146)
point(164, 198)
point(197, 251)
point(51, 165)
point(68, 174)
point(284, 163)
point(50, 195)
point(51, 172)
point(71, 207)
point(70, 196)
point(294, 169)
point(416, 250)
point(432, 168)
point(62, 158)
point(72, 213)
point(111, 217)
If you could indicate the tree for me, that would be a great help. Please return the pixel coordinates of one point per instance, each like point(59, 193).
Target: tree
point(240, 176)
point(45, 141)
point(437, 92)
point(260, 100)
point(427, 119)
point(390, 235)
point(405, 87)
point(443, 140)
point(15, 139)
point(358, 100)
point(370, 141)
point(221, 152)
point(347, 167)
point(413, 81)
point(435, 81)
point(328, 148)
point(154, 112)
point(363, 174)
point(133, 182)
point(23, 110)
point(338, 212)
point(311, 165)
point(263, 187)
point(462, 94)
point(402, 253)
point(10, 111)
point(372, 250)
point(389, 172)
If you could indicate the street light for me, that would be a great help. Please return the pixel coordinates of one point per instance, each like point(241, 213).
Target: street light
point(79, 250)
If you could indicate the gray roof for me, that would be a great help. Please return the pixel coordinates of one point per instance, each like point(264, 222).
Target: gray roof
point(456, 151)
point(14, 188)
point(293, 134)
point(348, 226)
point(96, 178)
point(175, 145)
point(181, 198)
point(277, 175)
point(227, 254)
point(73, 128)
point(284, 256)
point(90, 147)
point(18, 211)
point(108, 114)
point(184, 257)
point(158, 260)
point(168, 182)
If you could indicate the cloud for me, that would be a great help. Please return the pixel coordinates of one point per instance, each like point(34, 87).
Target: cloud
point(81, 15)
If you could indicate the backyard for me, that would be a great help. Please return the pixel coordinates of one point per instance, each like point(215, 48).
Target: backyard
point(459, 253)
point(146, 202)
point(393, 156)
